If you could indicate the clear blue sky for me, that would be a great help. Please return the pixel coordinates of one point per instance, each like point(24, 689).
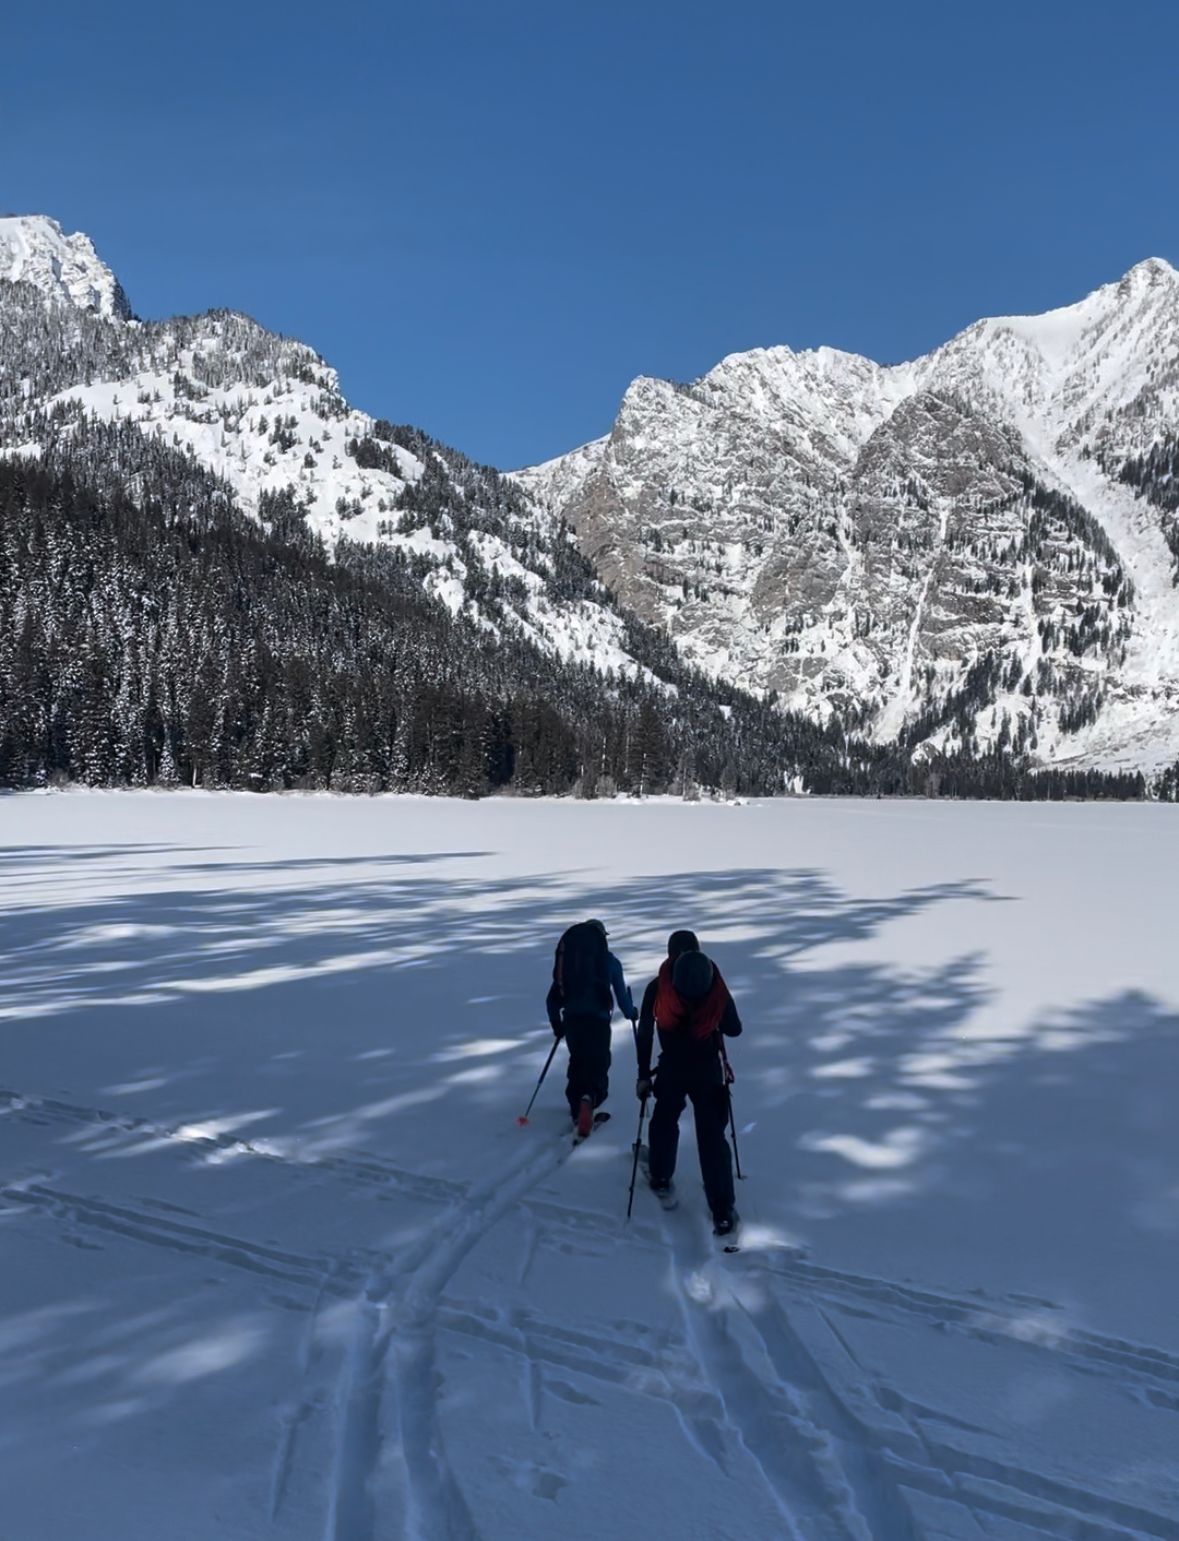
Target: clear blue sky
point(491, 216)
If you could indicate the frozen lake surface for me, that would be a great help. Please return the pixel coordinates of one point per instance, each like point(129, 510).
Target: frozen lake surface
point(277, 1259)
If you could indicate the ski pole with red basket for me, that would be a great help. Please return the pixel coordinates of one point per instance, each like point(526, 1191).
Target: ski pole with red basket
point(523, 1118)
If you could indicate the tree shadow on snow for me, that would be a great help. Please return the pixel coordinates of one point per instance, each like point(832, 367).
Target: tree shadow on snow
point(402, 1016)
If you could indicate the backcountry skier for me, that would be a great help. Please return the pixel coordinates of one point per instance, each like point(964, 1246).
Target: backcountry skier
point(690, 1005)
point(585, 976)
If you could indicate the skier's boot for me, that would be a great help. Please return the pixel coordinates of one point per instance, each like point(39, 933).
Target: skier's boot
point(585, 1117)
point(664, 1190)
point(725, 1221)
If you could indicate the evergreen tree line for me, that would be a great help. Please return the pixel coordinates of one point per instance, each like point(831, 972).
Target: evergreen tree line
point(1166, 788)
point(1001, 776)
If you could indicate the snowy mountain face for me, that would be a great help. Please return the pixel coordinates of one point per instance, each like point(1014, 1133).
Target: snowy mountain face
point(266, 416)
point(974, 549)
point(64, 268)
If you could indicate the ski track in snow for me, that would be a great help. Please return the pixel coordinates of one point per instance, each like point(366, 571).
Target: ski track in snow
point(170, 1235)
point(831, 1471)
point(738, 1371)
point(835, 1471)
point(863, 1294)
point(356, 1168)
point(361, 1168)
point(393, 1358)
point(818, 1483)
point(885, 1459)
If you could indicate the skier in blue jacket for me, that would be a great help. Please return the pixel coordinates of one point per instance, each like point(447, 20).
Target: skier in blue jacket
point(585, 977)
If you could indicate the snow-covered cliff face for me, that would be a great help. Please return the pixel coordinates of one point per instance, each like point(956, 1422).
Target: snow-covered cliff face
point(64, 268)
point(942, 549)
point(266, 415)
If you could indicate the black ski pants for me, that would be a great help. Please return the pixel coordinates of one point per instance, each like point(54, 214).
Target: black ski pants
point(589, 1060)
point(676, 1085)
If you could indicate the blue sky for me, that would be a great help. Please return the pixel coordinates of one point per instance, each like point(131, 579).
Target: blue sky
point(491, 217)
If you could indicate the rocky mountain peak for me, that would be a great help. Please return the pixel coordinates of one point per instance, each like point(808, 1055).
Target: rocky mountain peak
point(34, 249)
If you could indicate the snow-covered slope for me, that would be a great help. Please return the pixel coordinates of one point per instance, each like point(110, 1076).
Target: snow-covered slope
point(266, 415)
point(860, 538)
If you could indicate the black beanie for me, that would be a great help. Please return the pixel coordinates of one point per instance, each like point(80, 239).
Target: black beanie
point(680, 942)
point(691, 974)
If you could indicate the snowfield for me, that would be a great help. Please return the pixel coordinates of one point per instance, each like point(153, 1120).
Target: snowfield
point(277, 1260)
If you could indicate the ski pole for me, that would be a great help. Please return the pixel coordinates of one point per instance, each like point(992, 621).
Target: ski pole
point(634, 1169)
point(523, 1118)
point(729, 1079)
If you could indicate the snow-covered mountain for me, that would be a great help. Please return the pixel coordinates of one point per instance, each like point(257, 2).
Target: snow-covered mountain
point(976, 549)
point(949, 551)
point(266, 415)
point(214, 569)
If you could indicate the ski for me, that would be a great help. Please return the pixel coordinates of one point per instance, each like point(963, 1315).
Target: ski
point(666, 1198)
point(729, 1239)
point(600, 1118)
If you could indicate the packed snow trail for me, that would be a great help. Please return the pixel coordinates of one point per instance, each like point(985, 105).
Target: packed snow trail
point(396, 1326)
point(803, 1469)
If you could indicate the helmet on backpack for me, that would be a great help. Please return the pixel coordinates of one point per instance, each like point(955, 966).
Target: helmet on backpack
point(692, 975)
